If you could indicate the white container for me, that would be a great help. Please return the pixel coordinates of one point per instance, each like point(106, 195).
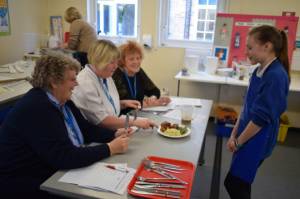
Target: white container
point(211, 64)
point(53, 41)
point(226, 72)
point(187, 113)
point(191, 63)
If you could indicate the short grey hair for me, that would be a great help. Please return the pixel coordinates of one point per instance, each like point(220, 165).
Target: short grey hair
point(51, 68)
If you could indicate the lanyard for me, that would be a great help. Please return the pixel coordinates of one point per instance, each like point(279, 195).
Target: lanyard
point(72, 126)
point(103, 84)
point(132, 90)
point(71, 123)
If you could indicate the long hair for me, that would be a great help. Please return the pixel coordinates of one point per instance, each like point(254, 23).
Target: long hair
point(278, 38)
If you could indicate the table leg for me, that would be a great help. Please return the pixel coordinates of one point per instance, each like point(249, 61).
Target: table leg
point(215, 181)
point(201, 159)
point(178, 87)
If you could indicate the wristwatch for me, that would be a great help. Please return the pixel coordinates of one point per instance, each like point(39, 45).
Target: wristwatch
point(237, 145)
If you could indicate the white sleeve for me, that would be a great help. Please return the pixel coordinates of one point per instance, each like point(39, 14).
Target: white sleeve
point(89, 100)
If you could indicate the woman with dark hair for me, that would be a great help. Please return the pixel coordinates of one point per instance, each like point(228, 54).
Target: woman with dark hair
point(255, 133)
point(45, 132)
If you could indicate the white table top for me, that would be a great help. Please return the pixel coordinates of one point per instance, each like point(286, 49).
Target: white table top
point(216, 79)
point(144, 143)
point(15, 85)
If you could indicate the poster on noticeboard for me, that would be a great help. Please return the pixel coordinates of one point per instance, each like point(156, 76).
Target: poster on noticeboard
point(231, 33)
point(4, 18)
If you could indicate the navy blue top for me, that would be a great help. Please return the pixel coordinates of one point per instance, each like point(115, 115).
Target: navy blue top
point(34, 143)
point(136, 88)
point(265, 101)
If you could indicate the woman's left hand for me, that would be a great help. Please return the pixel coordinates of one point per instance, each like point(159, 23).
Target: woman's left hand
point(164, 100)
point(131, 104)
point(122, 131)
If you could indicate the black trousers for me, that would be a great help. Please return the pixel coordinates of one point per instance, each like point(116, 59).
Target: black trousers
point(237, 188)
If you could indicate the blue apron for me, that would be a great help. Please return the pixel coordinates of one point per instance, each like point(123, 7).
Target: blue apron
point(247, 159)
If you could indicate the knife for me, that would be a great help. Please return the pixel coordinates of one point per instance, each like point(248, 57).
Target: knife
point(160, 185)
point(127, 121)
point(159, 191)
point(168, 175)
point(153, 194)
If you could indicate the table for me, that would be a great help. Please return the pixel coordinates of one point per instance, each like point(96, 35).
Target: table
point(15, 85)
point(220, 80)
point(143, 143)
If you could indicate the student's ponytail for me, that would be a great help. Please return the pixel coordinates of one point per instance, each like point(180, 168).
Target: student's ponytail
point(283, 53)
point(278, 38)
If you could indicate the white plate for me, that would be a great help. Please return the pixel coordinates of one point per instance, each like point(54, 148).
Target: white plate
point(169, 136)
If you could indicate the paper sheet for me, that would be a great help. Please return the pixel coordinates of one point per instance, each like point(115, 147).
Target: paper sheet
point(178, 101)
point(99, 177)
point(175, 101)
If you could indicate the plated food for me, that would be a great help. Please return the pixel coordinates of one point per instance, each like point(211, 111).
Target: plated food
point(174, 130)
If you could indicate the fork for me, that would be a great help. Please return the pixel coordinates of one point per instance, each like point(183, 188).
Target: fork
point(127, 121)
point(135, 113)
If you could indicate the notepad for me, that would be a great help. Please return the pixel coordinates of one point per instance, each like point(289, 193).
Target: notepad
point(99, 177)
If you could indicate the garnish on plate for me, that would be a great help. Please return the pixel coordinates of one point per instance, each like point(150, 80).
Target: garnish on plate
point(173, 129)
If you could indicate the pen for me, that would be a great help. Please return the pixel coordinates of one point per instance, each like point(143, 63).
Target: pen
point(117, 169)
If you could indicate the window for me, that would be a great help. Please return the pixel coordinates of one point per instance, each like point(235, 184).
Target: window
point(116, 20)
point(188, 23)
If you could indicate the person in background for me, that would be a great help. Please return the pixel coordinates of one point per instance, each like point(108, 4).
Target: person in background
point(131, 80)
point(254, 135)
point(97, 96)
point(81, 35)
point(45, 132)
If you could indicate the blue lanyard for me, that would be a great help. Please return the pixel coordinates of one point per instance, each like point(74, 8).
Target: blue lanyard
point(70, 121)
point(132, 90)
point(103, 84)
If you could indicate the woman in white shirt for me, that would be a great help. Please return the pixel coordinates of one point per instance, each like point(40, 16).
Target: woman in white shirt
point(96, 95)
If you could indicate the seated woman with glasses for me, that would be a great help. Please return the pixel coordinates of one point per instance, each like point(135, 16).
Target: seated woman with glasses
point(45, 132)
point(97, 96)
point(131, 80)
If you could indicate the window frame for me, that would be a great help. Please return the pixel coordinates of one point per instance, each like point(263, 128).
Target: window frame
point(163, 23)
point(92, 19)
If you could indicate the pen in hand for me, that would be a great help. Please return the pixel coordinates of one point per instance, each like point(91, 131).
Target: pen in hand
point(117, 169)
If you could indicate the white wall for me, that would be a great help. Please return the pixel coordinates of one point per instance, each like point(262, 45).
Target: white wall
point(27, 21)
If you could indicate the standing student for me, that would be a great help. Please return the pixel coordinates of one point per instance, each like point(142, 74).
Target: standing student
point(254, 135)
point(82, 35)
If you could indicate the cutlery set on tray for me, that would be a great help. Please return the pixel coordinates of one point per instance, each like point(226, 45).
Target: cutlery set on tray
point(166, 185)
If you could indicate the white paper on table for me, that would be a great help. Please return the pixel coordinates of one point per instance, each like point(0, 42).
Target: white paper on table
point(99, 177)
point(159, 108)
point(178, 101)
point(174, 114)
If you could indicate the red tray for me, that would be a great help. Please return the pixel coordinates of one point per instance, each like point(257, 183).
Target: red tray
point(186, 175)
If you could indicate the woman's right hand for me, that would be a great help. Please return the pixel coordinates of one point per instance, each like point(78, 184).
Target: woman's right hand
point(119, 145)
point(231, 144)
point(144, 123)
